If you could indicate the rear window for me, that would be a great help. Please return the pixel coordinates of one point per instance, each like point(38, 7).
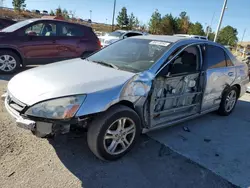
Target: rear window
point(71, 30)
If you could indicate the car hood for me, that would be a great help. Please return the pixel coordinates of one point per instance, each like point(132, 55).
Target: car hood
point(64, 78)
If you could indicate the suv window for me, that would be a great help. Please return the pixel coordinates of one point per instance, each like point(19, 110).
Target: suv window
point(187, 61)
point(215, 57)
point(71, 30)
point(42, 29)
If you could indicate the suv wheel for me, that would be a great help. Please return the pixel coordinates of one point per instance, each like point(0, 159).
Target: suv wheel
point(113, 133)
point(9, 62)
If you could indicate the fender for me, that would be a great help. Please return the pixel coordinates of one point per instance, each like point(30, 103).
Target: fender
point(14, 48)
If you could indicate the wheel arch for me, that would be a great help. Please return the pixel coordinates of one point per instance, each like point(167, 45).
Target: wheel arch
point(14, 51)
point(239, 89)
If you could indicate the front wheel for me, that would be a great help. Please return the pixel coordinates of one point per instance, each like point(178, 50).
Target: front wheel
point(113, 133)
point(228, 101)
point(9, 62)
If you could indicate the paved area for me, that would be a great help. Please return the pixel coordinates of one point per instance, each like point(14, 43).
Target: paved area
point(220, 144)
point(27, 161)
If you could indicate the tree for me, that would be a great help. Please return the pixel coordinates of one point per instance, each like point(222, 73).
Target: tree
point(131, 21)
point(18, 5)
point(65, 14)
point(137, 23)
point(168, 25)
point(155, 23)
point(211, 36)
point(122, 18)
point(183, 23)
point(228, 36)
point(52, 13)
point(59, 11)
point(196, 29)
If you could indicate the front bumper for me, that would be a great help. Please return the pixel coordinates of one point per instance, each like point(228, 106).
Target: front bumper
point(20, 121)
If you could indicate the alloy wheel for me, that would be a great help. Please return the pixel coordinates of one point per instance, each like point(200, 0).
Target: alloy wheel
point(7, 63)
point(119, 136)
point(230, 101)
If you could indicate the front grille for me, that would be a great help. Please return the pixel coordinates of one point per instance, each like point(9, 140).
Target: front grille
point(15, 104)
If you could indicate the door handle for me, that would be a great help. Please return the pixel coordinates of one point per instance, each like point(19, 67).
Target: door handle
point(53, 41)
point(230, 74)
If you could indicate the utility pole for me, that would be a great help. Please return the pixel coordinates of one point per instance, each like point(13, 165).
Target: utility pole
point(220, 21)
point(113, 15)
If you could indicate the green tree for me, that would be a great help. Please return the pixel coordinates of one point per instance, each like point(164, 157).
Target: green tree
point(228, 36)
point(131, 21)
point(168, 25)
point(183, 23)
point(65, 14)
point(59, 11)
point(196, 29)
point(211, 36)
point(122, 18)
point(155, 23)
point(137, 23)
point(18, 5)
point(52, 13)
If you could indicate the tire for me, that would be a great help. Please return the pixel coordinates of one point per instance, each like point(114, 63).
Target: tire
point(224, 110)
point(9, 62)
point(110, 120)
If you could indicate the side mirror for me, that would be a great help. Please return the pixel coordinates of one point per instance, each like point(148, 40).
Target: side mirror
point(31, 33)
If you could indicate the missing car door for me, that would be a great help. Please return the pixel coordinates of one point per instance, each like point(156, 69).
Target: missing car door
point(177, 89)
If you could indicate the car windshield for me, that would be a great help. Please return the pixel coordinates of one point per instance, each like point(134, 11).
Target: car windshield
point(16, 26)
point(133, 55)
point(116, 34)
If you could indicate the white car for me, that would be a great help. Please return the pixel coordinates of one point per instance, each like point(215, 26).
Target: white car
point(192, 36)
point(117, 35)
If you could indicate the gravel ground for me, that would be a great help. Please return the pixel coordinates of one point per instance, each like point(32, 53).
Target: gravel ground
point(27, 161)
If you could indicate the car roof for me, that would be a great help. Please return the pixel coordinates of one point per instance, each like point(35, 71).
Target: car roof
point(167, 38)
point(50, 19)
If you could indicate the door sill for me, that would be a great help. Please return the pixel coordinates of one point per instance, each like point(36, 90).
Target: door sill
point(162, 125)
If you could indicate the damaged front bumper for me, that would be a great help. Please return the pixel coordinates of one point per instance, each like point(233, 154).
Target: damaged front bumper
point(39, 128)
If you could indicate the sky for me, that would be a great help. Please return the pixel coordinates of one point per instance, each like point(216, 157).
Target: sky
point(236, 15)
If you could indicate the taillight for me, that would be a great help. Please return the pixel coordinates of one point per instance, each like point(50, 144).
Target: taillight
point(99, 44)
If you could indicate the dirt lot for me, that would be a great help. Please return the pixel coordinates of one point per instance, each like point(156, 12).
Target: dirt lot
point(27, 161)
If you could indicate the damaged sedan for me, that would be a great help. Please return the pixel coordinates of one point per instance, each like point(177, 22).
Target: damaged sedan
point(131, 87)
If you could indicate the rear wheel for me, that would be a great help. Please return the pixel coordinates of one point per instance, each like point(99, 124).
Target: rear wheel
point(9, 62)
point(228, 102)
point(112, 134)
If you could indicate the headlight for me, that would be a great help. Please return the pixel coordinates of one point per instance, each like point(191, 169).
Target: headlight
point(62, 108)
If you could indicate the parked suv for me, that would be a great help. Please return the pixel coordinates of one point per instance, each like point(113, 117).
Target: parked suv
point(4, 22)
point(40, 41)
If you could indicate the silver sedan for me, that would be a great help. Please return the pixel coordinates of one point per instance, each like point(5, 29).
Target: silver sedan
point(134, 86)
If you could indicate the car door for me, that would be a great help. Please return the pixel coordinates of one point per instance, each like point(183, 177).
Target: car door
point(72, 42)
point(38, 42)
point(220, 73)
point(177, 89)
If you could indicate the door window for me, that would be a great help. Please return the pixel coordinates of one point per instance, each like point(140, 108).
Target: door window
point(229, 61)
point(131, 35)
point(188, 61)
point(42, 29)
point(214, 57)
point(71, 30)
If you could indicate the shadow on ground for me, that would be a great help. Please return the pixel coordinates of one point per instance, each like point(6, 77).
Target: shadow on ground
point(149, 164)
point(220, 144)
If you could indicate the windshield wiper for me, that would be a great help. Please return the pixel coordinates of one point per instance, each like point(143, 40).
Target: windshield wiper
point(106, 64)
